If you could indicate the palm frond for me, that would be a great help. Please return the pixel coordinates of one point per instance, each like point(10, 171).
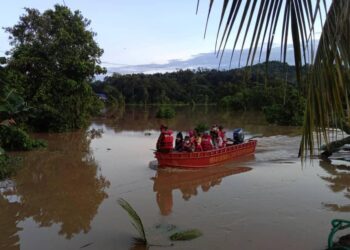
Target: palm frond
point(329, 79)
point(256, 22)
point(328, 74)
point(137, 222)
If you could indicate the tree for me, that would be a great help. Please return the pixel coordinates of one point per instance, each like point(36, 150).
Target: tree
point(54, 56)
point(327, 79)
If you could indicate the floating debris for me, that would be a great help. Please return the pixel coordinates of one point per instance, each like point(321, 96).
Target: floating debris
point(186, 235)
point(95, 133)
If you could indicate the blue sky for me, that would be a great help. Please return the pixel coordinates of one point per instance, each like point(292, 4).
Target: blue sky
point(131, 31)
point(135, 32)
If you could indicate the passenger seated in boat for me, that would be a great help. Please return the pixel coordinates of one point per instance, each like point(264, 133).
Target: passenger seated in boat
point(198, 142)
point(187, 145)
point(206, 142)
point(214, 135)
point(192, 134)
point(222, 139)
point(179, 141)
point(165, 140)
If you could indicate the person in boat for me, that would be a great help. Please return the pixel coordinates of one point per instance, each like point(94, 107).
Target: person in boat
point(179, 141)
point(214, 135)
point(206, 142)
point(192, 134)
point(187, 145)
point(198, 142)
point(161, 136)
point(222, 139)
point(165, 140)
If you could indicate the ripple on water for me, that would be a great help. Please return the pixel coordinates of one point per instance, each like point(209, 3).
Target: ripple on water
point(278, 148)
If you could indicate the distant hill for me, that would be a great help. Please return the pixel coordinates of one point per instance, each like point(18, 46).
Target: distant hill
point(203, 60)
point(192, 86)
point(270, 88)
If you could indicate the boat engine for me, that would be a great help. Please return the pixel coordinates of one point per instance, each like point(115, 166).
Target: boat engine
point(238, 136)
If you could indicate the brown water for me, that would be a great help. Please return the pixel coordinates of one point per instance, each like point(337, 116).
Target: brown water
point(65, 196)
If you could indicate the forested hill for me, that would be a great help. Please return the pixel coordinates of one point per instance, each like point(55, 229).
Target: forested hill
point(237, 87)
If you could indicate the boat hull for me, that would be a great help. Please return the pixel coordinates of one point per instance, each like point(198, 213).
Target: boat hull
point(205, 158)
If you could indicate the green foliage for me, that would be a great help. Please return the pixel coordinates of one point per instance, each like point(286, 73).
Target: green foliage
point(2, 60)
point(166, 112)
point(8, 165)
point(238, 89)
point(237, 101)
point(115, 98)
point(13, 106)
point(201, 127)
point(137, 222)
point(291, 112)
point(54, 57)
point(186, 235)
point(14, 138)
point(5, 168)
point(195, 87)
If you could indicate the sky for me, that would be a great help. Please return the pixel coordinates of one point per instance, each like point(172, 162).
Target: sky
point(136, 32)
point(131, 31)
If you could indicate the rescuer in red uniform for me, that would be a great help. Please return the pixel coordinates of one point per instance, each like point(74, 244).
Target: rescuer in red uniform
point(206, 142)
point(165, 140)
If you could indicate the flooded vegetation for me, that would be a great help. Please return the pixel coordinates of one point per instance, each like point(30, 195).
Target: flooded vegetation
point(65, 196)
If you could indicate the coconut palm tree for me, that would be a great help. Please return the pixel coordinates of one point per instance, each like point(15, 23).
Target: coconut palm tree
point(257, 23)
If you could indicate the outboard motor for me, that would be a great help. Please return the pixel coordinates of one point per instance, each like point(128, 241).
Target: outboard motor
point(238, 136)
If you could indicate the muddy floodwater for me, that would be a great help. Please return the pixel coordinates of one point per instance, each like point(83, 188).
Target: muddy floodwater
point(65, 196)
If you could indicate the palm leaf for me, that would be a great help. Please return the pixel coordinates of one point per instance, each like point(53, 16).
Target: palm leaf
point(137, 222)
point(327, 80)
point(330, 77)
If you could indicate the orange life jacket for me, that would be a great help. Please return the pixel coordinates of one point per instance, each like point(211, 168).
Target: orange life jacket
point(167, 140)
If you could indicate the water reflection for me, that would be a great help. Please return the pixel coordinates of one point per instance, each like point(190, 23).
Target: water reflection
point(338, 181)
point(188, 182)
point(9, 238)
point(59, 185)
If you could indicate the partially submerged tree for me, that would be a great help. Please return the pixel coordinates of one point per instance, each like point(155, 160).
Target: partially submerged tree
point(53, 58)
point(255, 23)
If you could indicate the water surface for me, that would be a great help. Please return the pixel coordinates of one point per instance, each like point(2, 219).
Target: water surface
point(65, 196)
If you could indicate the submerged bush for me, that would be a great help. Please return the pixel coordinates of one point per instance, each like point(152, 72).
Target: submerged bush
point(290, 113)
point(7, 165)
point(237, 101)
point(201, 128)
point(14, 138)
point(166, 112)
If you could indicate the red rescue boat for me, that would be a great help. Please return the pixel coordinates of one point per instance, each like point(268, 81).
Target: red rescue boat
point(205, 158)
